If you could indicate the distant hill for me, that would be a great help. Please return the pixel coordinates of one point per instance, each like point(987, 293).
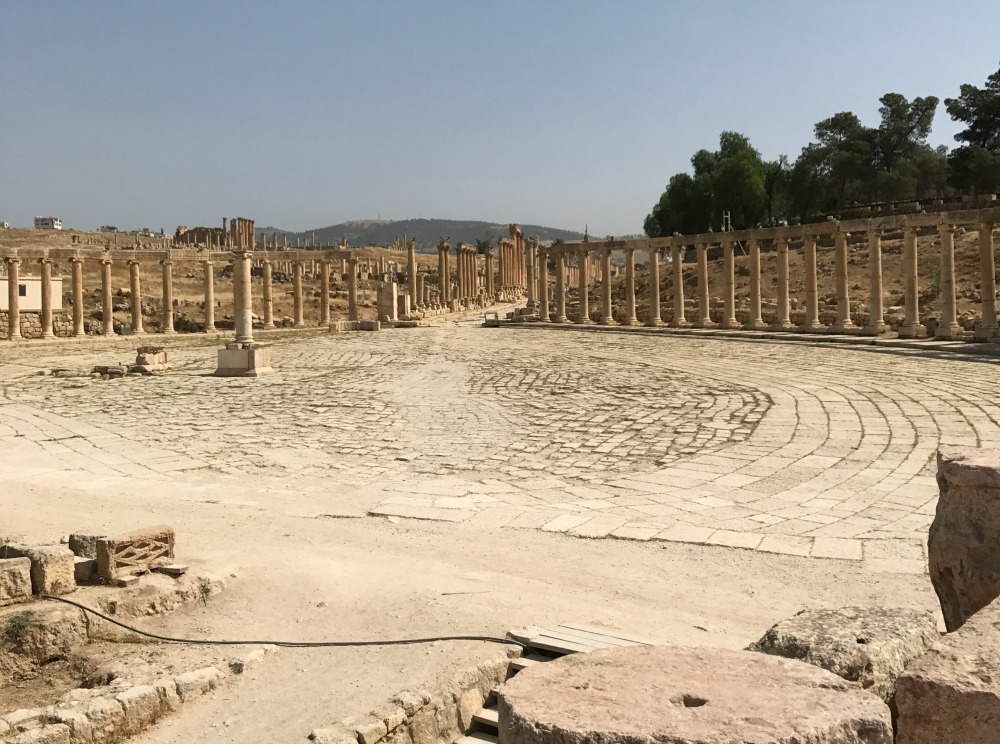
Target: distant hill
point(426, 233)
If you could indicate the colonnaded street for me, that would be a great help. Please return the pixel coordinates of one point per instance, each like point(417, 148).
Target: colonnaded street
point(788, 448)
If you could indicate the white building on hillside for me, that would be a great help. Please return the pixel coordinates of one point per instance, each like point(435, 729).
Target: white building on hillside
point(48, 223)
point(29, 292)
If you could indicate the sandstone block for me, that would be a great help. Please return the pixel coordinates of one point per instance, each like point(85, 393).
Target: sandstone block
point(682, 695)
point(198, 682)
point(107, 718)
point(23, 718)
point(15, 580)
point(84, 569)
point(135, 553)
point(469, 703)
point(166, 688)
point(57, 733)
point(952, 693)
point(963, 556)
point(52, 567)
point(84, 546)
point(333, 735)
point(424, 727)
point(370, 731)
point(142, 707)
point(870, 645)
point(80, 730)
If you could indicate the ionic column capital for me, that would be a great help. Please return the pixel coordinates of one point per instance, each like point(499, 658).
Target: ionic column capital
point(44, 260)
point(134, 262)
point(944, 227)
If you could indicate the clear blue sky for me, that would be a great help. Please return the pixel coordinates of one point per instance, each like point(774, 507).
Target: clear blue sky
point(301, 115)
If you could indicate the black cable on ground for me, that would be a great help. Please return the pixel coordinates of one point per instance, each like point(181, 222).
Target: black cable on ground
point(283, 644)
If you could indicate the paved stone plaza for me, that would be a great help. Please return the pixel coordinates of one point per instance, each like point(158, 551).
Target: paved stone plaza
point(787, 448)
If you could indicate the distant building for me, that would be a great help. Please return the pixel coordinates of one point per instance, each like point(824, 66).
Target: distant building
point(4, 226)
point(48, 223)
point(29, 292)
point(108, 228)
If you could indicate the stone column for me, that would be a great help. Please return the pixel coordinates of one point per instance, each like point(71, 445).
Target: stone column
point(352, 288)
point(677, 262)
point(729, 297)
point(584, 288)
point(812, 323)
point(297, 304)
point(243, 297)
point(77, 264)
point(561, 287)
point(755, 321)
point(543, 285)
point(988, 325)
point(911, 327)
point(630, 318)
point(209, 270)
point(490, 286)
point(459, 276)
point(948, 328)
point(704, 311)
point(876, 324)
point(443, 278)
point(168, 297)
point(324, 293)
point(607, 315)
point(135, 287)
point(13, 300)
point(268, 294)
point(844, 322)
point(529, 257)
point(654, 288)
point(411, 275)
point(107, 304)
point(45, 267)
point(782, 321)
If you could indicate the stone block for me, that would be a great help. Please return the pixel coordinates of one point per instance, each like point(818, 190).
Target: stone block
point(53, 570)
point(964, 540)
point(166, 688)
point(952, 693)
point(135, 553)
point(369, 325)
point(370, 731)
point(248, 361)
point(142, 707)
point(870, 645)
point(84, 546)
point(85, 569)
point(701, 695)
point(80, 730)
point(15, 580)
point(107, 718)
point(192, 684)
point(56, 733)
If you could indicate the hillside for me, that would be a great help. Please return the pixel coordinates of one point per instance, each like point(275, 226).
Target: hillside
point(426, 233)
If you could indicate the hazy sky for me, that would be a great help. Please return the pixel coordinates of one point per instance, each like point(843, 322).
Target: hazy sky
point(301, 115)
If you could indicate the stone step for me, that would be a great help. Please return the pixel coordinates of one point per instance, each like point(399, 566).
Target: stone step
point(487, 717)
point(529, 659)
point(558, 645)
point(478, 737)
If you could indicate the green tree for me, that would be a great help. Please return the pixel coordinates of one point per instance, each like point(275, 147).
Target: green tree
point(975, 165)
point(482, 245)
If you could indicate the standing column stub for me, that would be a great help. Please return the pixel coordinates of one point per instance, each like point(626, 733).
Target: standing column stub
point(529, 258)
point(352, 288)
point(654, 288)
point(135, 285)
point(416, 301)
point(324, 292)
point(243, 297)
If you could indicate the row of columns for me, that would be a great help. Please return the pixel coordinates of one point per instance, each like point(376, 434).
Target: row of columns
point(911, 327)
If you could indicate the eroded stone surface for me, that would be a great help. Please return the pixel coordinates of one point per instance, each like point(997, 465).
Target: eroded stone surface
point(964, 542)
point(15, 580)
point(870, 645)
point(678, 694)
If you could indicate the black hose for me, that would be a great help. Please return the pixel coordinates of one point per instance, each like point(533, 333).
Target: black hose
point(283, 644)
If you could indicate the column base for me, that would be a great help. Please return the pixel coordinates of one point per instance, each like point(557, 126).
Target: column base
point(989, 333)
point(679, 324)
point(705, 324)
point(168, 332)
point(138, 331)
point(211, 329)
point(755, 325)
point(562, 320)
point(585, 321)
point(951, 332)
point(875, 329)
point(46, 335)
point(785, 325)
point(299, 325)
point(912, 330)
point(244, 360)
point(630, 322)
point(654, 323)
point(606, 322)
point(846, 326)
point(813, 327)
point(731, 325)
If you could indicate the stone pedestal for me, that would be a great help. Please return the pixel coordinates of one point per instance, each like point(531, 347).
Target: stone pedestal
point(151, 359)
point(244, 359)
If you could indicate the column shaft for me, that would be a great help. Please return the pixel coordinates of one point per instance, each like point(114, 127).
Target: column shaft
point(948, 328)
point(988, 325)
point(729, 321)
point(755, 321)
point(209, 269)
point(543, 285)
point(677, 263)
point(324, 293)
point(844, 322)
point(107, 303)
point(243, 297)
point(630, 318)
point(704, 311)
point(352, 289)
point(561, 287)
point(812, 299)
point(782, 321)
point(168, 298)
point(297, 304)
point(584, 288)
point(911, 327)
point(45, 266)
point(13, 300)
point(654, 288)
point(135, 286)
point(411, 276)
point(77, 264)
point(876, 324)
point(607, 314)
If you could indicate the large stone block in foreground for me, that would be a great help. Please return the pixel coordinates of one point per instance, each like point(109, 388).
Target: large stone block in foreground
point(680, 695)
point(15, 580)
point(53, 567)
point(964, 543)
point(952, 693)
point(244, 360)
point(870, 645)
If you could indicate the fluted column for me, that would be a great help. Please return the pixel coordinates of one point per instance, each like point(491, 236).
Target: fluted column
point(755, 321)
point(911, 327)
point(243, 297)
point(677, 263)
point(45, 316)
point(988, 325)
point(168, 297)
point(297, 304)
point(704, 311)
point(543, 285)
point(209, 270)
point(630, 318)
point(411, 275)
point(844, 322)
point(490, 284)
point(352, 288)
point(729, 297)
point(654, 288)
point(607, 315)
point(459, 276)
point(443, 277)
point(267, 294)
point(529, 257)
point(13, 299)
point(812, 323)
point(948, 328)
point(324, 293)
point(77, 272)
point(782, 321)
point(135, 287)
point(561, 287)
point(876, 324)
point(584, 288)
point(107, 302)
